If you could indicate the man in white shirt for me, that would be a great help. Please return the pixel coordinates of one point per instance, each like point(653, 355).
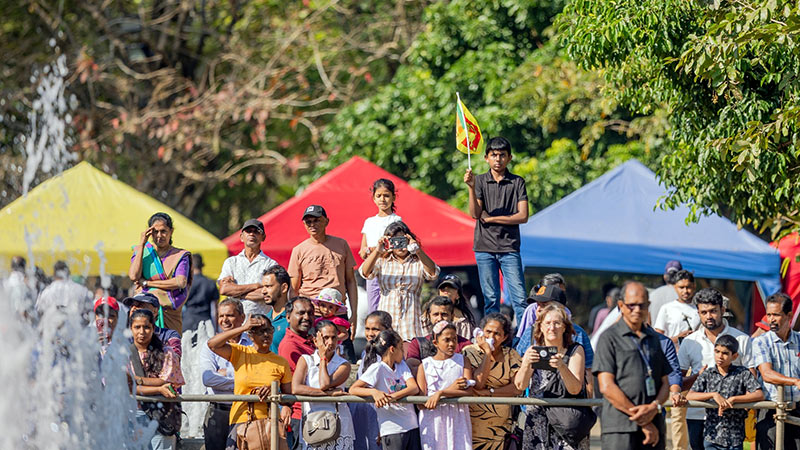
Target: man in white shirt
point(241, 274)
point(64, 294)
point(697, 352)
point(666, 293)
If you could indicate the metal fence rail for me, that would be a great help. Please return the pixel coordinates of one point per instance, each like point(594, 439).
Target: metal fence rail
point(276, 398)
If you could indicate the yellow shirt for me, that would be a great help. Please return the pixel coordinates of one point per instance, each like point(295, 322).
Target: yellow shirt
point(252, 370)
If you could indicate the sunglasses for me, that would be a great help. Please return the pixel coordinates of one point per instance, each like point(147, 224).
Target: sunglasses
point(632, 306)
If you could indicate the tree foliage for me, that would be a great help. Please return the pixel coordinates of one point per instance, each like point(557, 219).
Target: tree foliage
point(517, 83)
point(213, 106)
point(724, 73)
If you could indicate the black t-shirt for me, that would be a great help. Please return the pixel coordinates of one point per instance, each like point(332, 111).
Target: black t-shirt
point(499, 199)
point(198, 304)
point(618, 353)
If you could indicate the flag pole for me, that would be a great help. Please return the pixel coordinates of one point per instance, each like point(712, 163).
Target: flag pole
point(466, 132)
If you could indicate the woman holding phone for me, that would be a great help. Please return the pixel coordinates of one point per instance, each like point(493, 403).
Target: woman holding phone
point(561, 377)
point(400, 265)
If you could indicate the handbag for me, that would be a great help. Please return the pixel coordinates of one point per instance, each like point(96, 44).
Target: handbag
point(320, 427)
point(572, 423)
point(513, 439)
point(255, 433)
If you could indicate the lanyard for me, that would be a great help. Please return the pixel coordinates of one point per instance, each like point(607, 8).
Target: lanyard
point(643, 354)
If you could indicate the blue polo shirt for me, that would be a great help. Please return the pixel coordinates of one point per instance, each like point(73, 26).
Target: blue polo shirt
point(280, 323)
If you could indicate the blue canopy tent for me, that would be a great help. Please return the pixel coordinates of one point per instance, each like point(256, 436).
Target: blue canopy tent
point(611, 225)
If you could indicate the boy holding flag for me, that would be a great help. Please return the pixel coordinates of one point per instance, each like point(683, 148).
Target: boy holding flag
point(498, 200)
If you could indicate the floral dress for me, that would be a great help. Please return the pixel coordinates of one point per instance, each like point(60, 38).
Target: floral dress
point(537, 434)
point(491, 423)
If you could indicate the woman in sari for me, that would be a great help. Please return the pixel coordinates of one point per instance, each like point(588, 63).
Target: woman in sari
point(162, 270)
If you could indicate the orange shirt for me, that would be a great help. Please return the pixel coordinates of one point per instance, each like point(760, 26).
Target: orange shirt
point(321, 266)
point(252, 370)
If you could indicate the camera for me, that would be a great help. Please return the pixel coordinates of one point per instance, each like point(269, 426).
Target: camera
point(398, 242)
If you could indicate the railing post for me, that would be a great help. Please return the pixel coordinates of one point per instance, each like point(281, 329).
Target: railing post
point(274, 413)
point(780, 417)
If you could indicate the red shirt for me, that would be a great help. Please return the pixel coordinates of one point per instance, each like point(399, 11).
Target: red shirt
point(293, 346)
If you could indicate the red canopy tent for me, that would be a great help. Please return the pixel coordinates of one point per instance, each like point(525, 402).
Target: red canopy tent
point(445, 232)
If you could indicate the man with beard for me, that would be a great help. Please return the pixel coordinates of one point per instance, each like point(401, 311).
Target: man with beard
point(295, 343)
point(776, 353)
point(217, 373)
point(632, 373)
point(275, 290)
point(240, 277)
point(697, 353)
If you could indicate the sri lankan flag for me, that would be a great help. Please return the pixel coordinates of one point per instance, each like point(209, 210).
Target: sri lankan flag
point(468, 134)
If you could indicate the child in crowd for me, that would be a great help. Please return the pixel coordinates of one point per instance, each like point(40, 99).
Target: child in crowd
point(386, 379)
point(726, 385)
point(451, 287)
point(447, 374)
point(383, 195)
point(329, 305)
point(365, 419)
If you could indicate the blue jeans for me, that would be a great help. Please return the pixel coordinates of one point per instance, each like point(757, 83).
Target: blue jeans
point(695, 428)
point(489, 267)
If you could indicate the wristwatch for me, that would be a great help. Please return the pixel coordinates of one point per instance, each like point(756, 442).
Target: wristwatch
point(491, 390)
point(144, 284)
point(660, 408)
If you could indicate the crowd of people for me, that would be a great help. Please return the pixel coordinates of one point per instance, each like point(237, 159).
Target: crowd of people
point(296, 326)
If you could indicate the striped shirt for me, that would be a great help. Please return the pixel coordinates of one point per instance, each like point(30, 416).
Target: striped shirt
point(785, 359)
point(401, 285)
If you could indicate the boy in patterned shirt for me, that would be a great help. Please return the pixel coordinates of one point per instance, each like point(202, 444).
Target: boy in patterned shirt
point(725, 384)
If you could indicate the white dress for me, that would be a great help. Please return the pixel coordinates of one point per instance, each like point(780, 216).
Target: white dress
point(345, 440)
point(448, 427)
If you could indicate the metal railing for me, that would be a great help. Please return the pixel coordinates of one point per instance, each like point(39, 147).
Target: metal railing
point(276, 398)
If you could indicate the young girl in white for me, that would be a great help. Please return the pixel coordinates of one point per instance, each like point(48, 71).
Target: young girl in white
point(383, 196)
point(386, 379)
point(310, 379)
point(446, 374)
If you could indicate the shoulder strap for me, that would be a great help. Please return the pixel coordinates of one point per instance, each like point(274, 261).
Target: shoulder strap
point(138, 370)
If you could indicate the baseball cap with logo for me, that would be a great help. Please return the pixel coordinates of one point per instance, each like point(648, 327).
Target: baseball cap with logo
point(550, 293)
point(142, 297)
point(110, 301)
point(314, 211)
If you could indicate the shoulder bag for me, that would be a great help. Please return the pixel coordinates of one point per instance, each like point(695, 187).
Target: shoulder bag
point(320, 427)
point(572, 423)
point(255, 433)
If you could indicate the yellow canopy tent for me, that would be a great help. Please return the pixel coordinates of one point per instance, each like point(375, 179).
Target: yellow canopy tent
point(90, 220)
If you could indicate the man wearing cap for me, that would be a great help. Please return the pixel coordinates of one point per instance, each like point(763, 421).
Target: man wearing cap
point(201, 304)
point(145, 300)
point(241, 274)
point(217, 373)
point(451, 287)
point(106, 314)
point(666, 293)
point(323, 261)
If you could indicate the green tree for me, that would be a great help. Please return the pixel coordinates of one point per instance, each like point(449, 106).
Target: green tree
point(213, 107)
point(724, 74)
point(499, 56)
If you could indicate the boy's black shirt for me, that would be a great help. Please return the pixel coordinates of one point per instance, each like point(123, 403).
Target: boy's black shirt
point(499, 199)
point(728, 430)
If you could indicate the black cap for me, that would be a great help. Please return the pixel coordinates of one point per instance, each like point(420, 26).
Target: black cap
point(314, 211)
point(254, 223)
point(547, 294)
point(142, 297)
point(450, 280)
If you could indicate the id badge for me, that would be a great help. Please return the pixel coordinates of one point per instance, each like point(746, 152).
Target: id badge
point(650, 386)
